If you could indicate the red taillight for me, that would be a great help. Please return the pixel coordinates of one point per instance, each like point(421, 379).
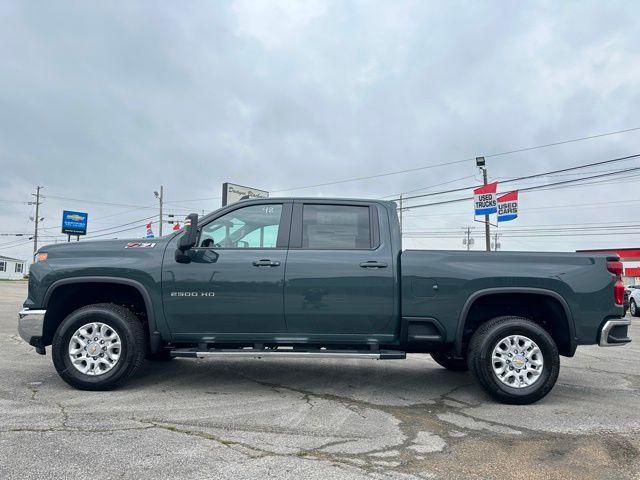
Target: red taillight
point(615, 267)
point(618, 292)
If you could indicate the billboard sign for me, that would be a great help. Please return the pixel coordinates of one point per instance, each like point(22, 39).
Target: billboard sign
point(232, 193)
point(74, 223)
point(484, 199)
point(508, 206)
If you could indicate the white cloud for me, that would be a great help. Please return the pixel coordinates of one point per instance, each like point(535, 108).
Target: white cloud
point(277, 24)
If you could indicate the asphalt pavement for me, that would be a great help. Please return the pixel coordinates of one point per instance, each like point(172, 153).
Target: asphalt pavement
point(313, 419)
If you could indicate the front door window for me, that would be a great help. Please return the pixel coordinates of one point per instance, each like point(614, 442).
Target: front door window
point(255, 226)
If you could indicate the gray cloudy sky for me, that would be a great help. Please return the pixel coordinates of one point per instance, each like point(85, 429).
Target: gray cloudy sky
point(105, 101)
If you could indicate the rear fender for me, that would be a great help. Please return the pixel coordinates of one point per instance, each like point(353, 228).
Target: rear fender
point(528, 290)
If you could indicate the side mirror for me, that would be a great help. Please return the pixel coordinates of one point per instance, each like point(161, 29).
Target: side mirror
point(188, 239)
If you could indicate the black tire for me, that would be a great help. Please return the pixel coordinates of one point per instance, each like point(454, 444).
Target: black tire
point(132, 354)
point(450, 363)
point(481, 348)
point(633, 308)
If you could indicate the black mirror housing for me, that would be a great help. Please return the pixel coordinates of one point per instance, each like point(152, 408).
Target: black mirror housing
point(190, 236)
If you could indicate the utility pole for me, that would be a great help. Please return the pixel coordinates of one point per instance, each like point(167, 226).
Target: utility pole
point(36, 219)
point(468, 240)
point(159, 197)
point(487, 227)
point(496, 244)
point(400, 215)
point(480, 162)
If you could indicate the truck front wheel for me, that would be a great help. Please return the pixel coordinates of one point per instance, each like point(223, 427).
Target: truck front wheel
point(514, 360)
point(98, 347)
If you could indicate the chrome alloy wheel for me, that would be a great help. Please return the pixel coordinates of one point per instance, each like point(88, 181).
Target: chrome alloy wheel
point(517, 361)
point(95, 348)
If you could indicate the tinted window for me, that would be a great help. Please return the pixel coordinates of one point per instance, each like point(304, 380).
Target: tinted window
point(336, 227)
point(255, 226)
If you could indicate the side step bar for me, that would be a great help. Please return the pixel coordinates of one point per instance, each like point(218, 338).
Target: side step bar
point(284, 353)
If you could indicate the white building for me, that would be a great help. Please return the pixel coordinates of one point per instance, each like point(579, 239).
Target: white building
point(11, 268)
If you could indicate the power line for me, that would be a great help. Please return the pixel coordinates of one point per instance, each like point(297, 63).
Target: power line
point(527, 189)
point(96, 202)
point(569, 206)
point(454, 162)
point(453, 231)
point(536, 175)
point(519, 235)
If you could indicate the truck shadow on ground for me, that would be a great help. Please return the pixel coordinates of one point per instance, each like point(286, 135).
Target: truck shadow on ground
point(398, 383)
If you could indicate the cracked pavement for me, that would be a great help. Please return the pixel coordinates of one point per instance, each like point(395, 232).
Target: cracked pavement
point(313, 419)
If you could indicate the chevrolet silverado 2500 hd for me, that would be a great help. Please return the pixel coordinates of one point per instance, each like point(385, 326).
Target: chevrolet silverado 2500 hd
point(325, 278)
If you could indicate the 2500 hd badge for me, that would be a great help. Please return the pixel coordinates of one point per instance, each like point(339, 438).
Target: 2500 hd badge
point(193, 294)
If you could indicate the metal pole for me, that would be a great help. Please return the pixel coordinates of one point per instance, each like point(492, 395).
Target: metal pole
point(400, 215)
point(160, 198)
point(468, 238)
point(487, 230)
point(36, 220)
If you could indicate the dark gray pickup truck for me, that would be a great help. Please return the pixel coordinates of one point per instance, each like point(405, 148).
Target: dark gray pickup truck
point(323, 278)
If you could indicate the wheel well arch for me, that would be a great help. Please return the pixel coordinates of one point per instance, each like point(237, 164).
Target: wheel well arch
point(69, 294)
point(545, 307)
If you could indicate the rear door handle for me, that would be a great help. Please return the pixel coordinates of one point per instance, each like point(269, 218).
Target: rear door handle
point(265, 263)
point(373, 264)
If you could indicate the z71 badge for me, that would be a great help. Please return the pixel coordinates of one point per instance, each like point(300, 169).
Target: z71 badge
point(140, 245)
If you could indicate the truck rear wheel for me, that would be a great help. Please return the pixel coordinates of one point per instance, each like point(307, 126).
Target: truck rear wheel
point(450, 363)
point(514, 360)
point(98, 347)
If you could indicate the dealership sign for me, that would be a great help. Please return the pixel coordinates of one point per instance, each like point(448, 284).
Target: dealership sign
point(484, 199)
point(232, 193)
point(74, 223)
point(508, 206)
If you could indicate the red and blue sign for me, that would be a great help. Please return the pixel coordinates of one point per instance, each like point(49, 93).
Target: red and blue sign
point(508, 206)
point(484, 199)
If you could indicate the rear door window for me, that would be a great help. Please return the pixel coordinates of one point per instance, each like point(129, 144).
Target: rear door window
point(338, 227)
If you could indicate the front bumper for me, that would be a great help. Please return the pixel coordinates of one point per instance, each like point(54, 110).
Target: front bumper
point(31, 326)
point(614, 333)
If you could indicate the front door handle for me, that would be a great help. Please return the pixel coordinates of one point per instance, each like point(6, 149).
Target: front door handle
point(265, 263)
point(373, 264)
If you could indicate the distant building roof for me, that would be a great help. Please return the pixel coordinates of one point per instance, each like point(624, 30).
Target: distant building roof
point(2, 257)
point(624, 253)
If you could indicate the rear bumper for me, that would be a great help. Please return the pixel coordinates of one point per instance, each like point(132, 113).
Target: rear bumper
point(31, 326)
point(614, 333)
